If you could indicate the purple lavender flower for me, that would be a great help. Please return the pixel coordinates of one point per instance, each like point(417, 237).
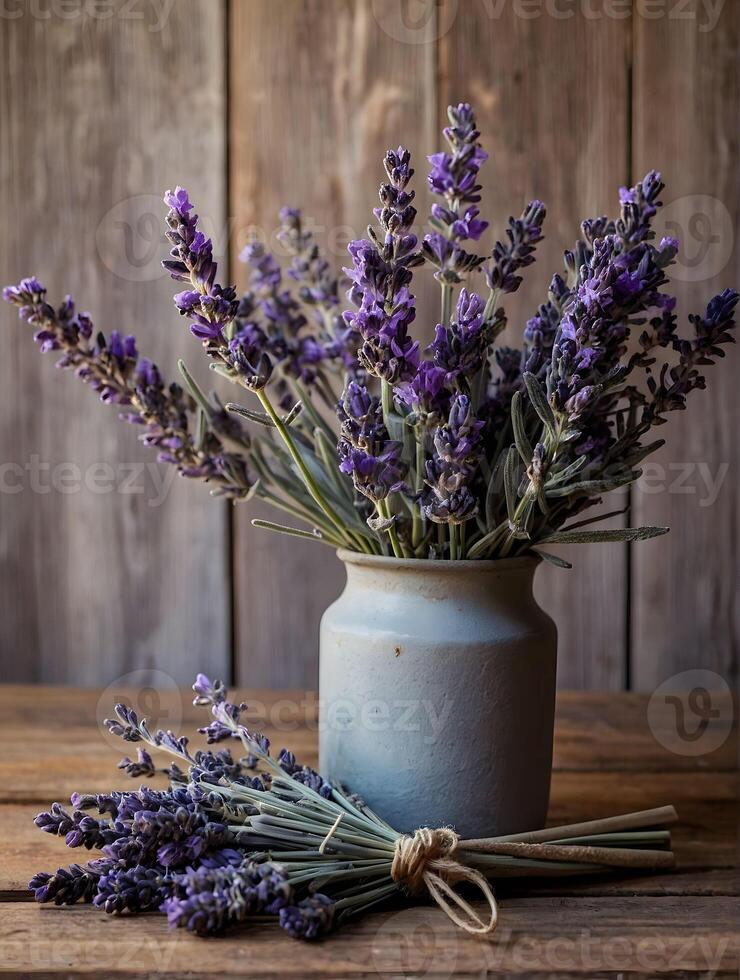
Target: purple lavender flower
point(425, 397)
point(55, 821)
point(210, 306)
point(304, 774)
point(372, 276)
point(207, 900)
point(373, 476)
point(366, 452)
point(318, 284)
point(613, 285)
point(451, 260)
point(639, 205)
point(454, 177)
point(216, 314)
point(309, 919)
point(168, 829)
point(67, 887)
point(277, 327)
point(388, 351)
point(247, 358)
point(208, 691)
point(143, 766)
point(128, 726)
point(216, 766)
point(460, 350)
point(507, 259)
point(26, 295)
point(137, 889)
point(380, 276)
point(669, 392)
point(265, 272)
point(450, 471)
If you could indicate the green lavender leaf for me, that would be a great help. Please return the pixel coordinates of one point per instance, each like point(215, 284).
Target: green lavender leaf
point(327, 453)
point(224, 372)
point(260, 418)
point(284, 529)
point(201, 429)
point(520, 526)
point(520, 435)
point(510, 481)
point(552, 559)
point(617, 534)
point(641, 452)
point(539, 401)
point(560, 476)
point(293, 413)
point(570, 433)
point(593, 487)
point(494, 488)
point(199, 396)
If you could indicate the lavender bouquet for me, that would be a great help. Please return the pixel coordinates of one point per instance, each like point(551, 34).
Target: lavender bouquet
point(471, 449)
point(238, 838)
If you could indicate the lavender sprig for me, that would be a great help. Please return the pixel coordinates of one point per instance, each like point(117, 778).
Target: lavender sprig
point(381, 276)
point(454, 177)
point(507, 259)
point(115, 370)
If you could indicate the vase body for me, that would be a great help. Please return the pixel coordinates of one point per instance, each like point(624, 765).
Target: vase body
point(437, 693)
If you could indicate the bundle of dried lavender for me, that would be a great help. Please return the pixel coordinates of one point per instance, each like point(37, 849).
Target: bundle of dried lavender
point(237, 838)
point(465, 450)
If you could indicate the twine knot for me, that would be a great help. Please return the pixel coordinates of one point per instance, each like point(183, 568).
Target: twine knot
point(424, 860)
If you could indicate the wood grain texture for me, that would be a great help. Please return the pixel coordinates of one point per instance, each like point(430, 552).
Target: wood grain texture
point(319, 90)
point(548, 937)
point(686, 124)
point(100, 115)
point(606, 737)
point(552, 101)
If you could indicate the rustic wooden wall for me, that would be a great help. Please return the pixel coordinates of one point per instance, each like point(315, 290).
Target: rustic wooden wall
point(99, 117)
point(684, 594)
point(296, 104)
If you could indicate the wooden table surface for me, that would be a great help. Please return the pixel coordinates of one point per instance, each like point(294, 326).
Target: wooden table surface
point(612, 755)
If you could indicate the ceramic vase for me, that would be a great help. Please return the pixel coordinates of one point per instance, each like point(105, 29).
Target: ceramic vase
point(437, 691)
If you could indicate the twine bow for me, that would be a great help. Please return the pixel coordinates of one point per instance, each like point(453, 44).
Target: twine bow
point(424, 860)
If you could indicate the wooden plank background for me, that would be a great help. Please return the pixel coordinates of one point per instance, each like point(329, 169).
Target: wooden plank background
point(296, 103)
point(685, 595)
point(99, 117)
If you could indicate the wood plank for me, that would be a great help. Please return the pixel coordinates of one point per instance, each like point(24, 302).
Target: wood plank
point(100, 115)
point(599, 731)
point(348, 91)
point(556, 127)
point(554, 937)
point(684, 595)
point(594, 733)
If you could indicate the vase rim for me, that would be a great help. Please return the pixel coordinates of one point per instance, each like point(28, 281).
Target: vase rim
point(438, 564)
